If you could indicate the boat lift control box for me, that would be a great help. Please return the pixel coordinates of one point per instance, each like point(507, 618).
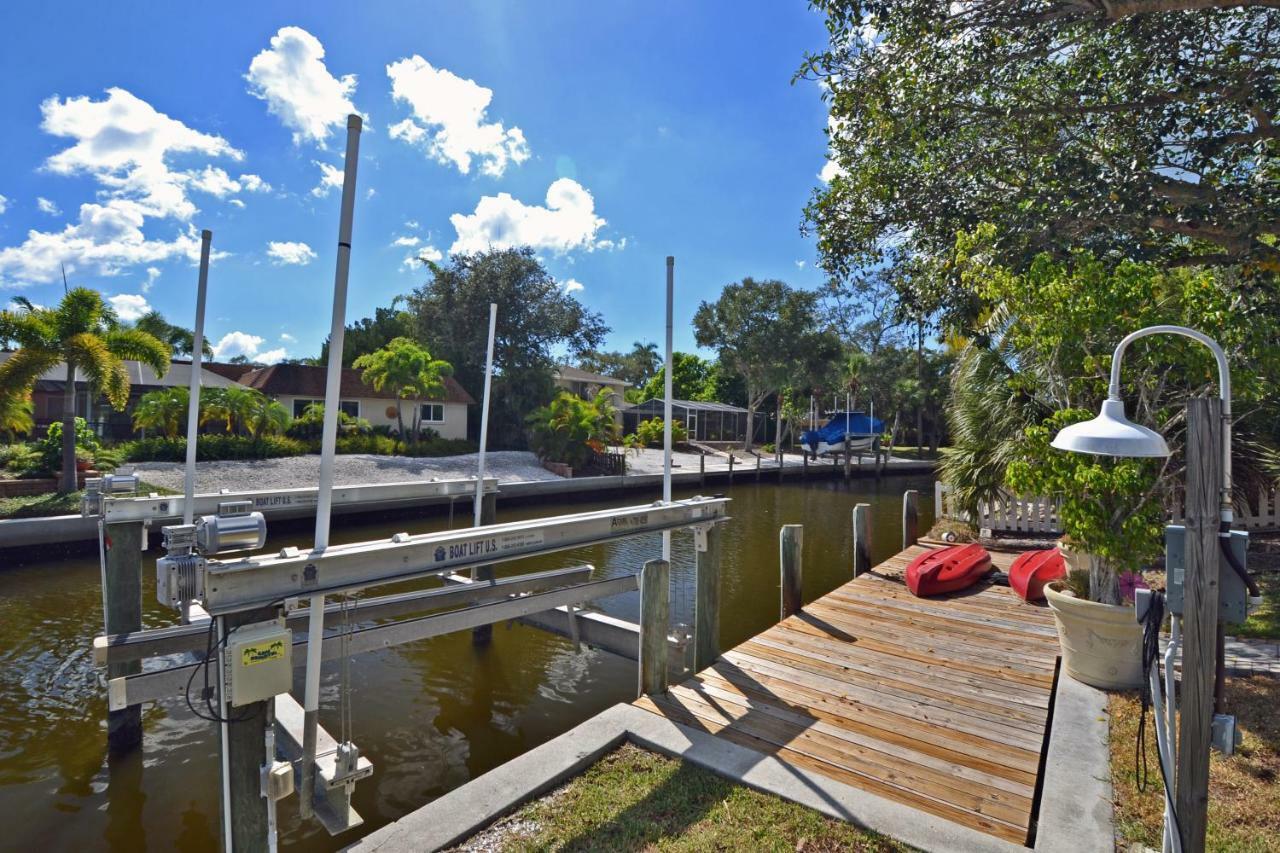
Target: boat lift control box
point(259, 662)
point(1232, 594)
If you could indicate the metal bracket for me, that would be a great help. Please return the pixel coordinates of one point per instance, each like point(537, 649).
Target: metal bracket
point(700, 532)
point(573, 627)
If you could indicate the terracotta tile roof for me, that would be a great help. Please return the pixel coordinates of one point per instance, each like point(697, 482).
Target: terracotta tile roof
point(306, 380)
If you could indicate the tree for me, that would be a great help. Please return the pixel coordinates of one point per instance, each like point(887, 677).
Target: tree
point(78, 334)
point(635, 367)
point(371, 333)
point(181, 341)
point(535, 319)
point(691, 379)
point(572, 430)
point(164, 410)
point(409, 371)
point(15, 416)
point(1148, 128)
point(768, 333)
point(234, 406)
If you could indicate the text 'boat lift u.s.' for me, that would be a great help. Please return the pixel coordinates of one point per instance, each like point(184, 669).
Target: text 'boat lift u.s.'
point(238, 614)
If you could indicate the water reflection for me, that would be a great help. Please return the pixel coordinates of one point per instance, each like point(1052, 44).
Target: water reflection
point(430, 715)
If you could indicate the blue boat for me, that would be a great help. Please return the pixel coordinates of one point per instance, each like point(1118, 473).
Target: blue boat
point(863, 433)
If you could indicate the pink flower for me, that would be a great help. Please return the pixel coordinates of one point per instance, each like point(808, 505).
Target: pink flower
point(1129, 583)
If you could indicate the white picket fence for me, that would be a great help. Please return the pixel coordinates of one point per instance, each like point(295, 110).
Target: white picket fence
point(1012, 514)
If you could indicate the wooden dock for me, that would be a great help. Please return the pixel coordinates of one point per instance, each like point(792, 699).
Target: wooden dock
point(940, 704)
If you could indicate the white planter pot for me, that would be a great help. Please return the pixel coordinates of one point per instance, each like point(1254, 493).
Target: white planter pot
point(1101, 643)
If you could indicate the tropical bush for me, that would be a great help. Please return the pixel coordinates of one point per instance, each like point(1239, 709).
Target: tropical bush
point(211, 448)
point(572, 430)
point(51, 446)
point(22, 460)
point(382, 445)
point(649, 434)
point(407, 370)
point(163, 410)
point(311, 424)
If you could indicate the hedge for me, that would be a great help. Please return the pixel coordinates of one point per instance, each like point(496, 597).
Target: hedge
point(212, 448)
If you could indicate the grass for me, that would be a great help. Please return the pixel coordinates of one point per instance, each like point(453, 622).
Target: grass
point(1264, 565)
point(52, 503)
point(635, 800)
point(1244, 790)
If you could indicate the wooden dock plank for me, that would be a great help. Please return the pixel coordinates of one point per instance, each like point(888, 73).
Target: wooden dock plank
point(940, 704)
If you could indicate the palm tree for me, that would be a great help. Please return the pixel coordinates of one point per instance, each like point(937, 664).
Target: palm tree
point(268, 417)
point(234, 405)
point(164, 410)
point(15, 416)
point(78, 334)
point(409, 371)
point(181, 341)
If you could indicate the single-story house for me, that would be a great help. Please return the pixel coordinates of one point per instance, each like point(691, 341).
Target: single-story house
point(705, 421)
point(585, 384)
point(297, 386)
point(47, 398)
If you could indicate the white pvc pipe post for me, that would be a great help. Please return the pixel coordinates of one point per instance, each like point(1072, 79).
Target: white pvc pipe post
point(666, 405)
point(328, 448)
point(193, 390)
point(484, 413)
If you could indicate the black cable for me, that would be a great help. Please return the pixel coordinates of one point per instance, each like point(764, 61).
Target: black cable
point(1224, 541)
point(1151, 625)
point(211, 649)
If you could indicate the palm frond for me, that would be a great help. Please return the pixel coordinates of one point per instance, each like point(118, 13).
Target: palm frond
point(18, 373)
point(139, 346)
point(101, 367)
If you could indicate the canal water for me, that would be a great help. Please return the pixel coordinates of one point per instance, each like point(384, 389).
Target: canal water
point(431, 715)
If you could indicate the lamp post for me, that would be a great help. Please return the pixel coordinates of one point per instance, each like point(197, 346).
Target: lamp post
point(1111, 433)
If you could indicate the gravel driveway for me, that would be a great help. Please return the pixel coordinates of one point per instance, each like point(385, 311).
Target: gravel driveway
point(349, 469)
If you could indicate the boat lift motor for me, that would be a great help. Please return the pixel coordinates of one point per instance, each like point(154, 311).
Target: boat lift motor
point(109, 486)
point(180, 574)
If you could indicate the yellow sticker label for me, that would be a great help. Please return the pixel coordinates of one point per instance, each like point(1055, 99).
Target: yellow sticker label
point(251, 655)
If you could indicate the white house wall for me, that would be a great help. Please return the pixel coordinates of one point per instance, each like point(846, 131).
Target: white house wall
point(374, 410)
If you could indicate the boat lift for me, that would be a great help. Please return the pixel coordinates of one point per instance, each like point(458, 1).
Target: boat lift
point(253, 606)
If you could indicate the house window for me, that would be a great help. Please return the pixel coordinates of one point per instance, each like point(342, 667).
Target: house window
point(351, 407)
point(433, 413)
point(300, 406)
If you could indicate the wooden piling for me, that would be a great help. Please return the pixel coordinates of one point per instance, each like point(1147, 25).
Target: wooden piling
point(848, 456)
point(706, 601)
point(731, 458)
point(702, 469)
point(910, 518)
point(1200, 617)
point(483, 635)
point(861, 539)
point(246, 749)
point(791, 559)
point(655, 624)
point(804, 473)
point(758, 458)
point(123, 600)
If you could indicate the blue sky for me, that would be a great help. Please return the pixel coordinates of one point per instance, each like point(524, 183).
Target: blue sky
point(607, 134)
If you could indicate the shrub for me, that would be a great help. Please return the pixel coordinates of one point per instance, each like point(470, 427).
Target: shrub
point(22, 460)
point(51, 446)
point(649, 433)
point(311, 424)
point(572, 430)
point(212, 448)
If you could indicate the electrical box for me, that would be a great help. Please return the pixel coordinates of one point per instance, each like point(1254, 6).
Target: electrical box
point(1232, 593)
point(259, 659)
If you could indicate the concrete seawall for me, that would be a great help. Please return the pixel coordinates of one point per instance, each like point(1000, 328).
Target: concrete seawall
point(74, 529)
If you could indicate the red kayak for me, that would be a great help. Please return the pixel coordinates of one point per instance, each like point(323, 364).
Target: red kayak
point(948, 569)
point(1033, 569)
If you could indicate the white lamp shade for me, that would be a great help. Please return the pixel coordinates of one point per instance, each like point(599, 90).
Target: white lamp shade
point(1111, 434)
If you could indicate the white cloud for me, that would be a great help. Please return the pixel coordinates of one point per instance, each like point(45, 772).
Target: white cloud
point(129, 306)
point(254, 184)
point(107, 238)
point(292, 78)
point(411, 224)
point(235, 202)
point(800, 265)
point(45, 206)
point(152, 275)
point(449, 118)
point(406, 241)
point(288, 338)
point(237, 343)
point(124, 143)
point(330, 178)
point(567, 222)
point(214, 181)
point(4, 204)
point(413, 260)
point(290, 254)
point(571, 285)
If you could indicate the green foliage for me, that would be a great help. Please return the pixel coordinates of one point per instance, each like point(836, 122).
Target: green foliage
point(650, 434)
point(635, 368)
point(211, 448)
point(15, 415)
point(311, 424)
point(536, 320)
point(692, 378)
point(572, 430)
point(82, 334)
point(372, 333)
point(1131, 128)
point(51, 445)
point(1110, 507)
point(164, 410)
point(768, 333)
point(22, 460)
point(385, 445)
point(181, 341)
point(408, 371)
